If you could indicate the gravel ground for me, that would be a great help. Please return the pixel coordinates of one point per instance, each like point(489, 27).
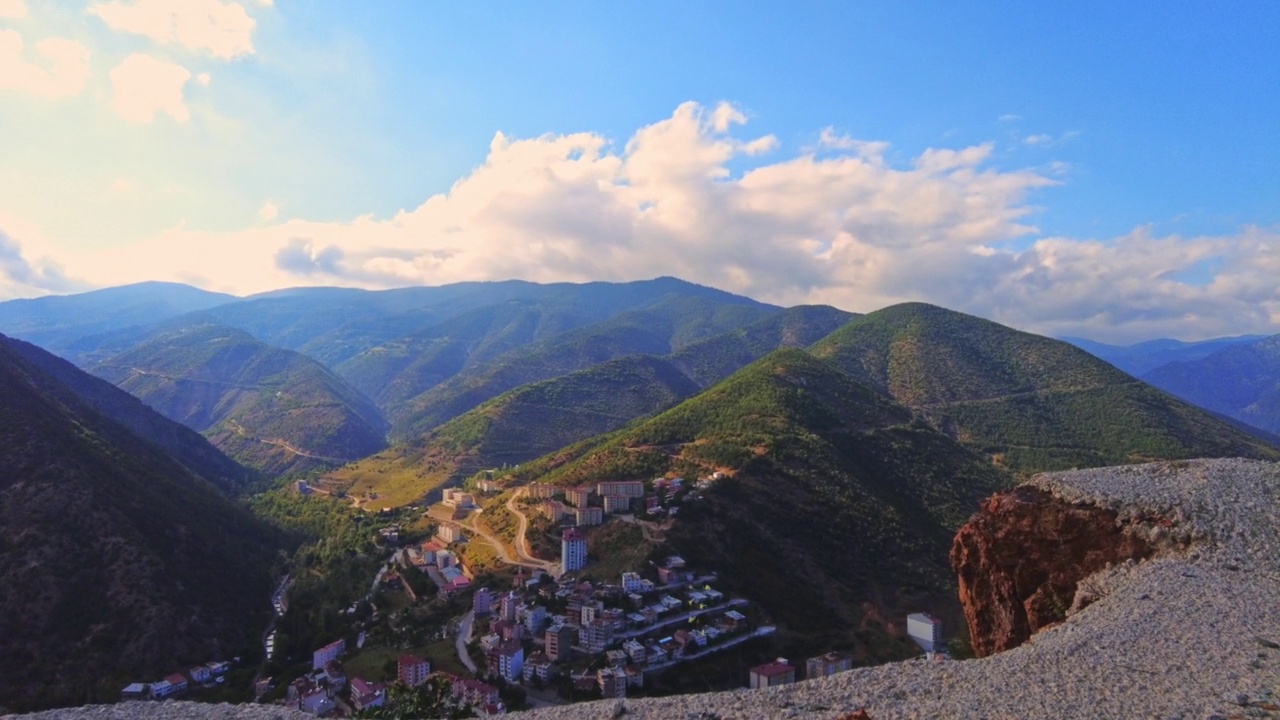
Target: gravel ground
point(1192, 636)
point(1195, 636)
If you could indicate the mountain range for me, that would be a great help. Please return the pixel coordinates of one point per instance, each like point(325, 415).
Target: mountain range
point(872, 434)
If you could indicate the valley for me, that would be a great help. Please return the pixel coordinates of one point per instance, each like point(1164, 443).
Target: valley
point(421, 458)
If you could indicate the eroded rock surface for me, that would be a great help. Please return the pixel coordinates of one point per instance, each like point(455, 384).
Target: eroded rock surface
point(1020, 558)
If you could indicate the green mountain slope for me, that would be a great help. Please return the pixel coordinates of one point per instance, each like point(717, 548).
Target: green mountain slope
point(836, 496)
point(62, 380)
point(1029, 402)
point(673, 322)
point(116, 562)
point(1240, 381)
point(271, 409)
point(56, 321)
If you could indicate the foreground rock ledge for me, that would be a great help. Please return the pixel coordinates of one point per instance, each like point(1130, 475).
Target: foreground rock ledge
point(1192, 633)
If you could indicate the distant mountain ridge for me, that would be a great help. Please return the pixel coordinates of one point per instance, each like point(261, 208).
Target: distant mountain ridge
point(1240, 381)
point(274, 410)
point(116, 561)
point(1141, 358)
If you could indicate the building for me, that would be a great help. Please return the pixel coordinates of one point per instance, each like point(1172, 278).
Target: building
point(475, 693)
point(617, 504)
point(449, 533)
point(559, 640)
point(134, 691)
point(200, 674)
point(537, 665)
point(329, 652)
point(778, 672)
point(612, 681)
point(510, 661)
point(455, 498)
point(586, 516)
point(535, 619)
point(509, 605)
point(596, 636)
point(578, 497)
point(620, 488)
point(635, 651)
point(411, 670)
point(482, 602)
point(926, 631)
point(317, 702)
point(365, 694)
point(542, 491)
point(573, 551)
point(828, 664)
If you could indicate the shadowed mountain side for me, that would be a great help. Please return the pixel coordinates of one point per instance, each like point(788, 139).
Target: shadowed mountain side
point(274, 410)
point(64, 381)
point(116, 562)
point(1241, 382)
point(1029, 402)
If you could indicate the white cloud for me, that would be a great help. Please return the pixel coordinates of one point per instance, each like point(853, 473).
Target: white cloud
point(1009, 118)
point(63, 72)
point(222, 29)
point(13, 9)
point(204, 79)
point(1038, 139)
point(142, 86)
point(1044, 140)
point(269, 211)
point(843, 226)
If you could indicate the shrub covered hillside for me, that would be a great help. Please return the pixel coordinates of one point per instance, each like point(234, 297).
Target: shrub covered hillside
point(274, 410)
point(1028, 402)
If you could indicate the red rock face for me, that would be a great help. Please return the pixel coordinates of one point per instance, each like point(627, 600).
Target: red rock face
point(1019, 559)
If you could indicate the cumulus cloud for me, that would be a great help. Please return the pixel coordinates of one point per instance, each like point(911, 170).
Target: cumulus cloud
point(221, 29)
point(13, 9)
point(834, 224)
point(269, 211)
point(62, 71)
point(22, 277)
point(143, 86)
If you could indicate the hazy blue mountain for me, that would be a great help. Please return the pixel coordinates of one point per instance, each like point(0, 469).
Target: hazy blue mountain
point(1241, 381)
point(1141, 358)
point(55, 321)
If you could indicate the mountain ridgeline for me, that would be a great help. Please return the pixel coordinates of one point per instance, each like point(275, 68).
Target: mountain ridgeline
point(1028, 402)
point(274, 410)
point(1241, 381)
point(118, 559)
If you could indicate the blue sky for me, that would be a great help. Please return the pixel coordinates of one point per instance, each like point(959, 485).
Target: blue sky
point(1104, 169)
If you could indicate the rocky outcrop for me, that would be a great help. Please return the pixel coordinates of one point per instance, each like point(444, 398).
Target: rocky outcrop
point(1020, 559)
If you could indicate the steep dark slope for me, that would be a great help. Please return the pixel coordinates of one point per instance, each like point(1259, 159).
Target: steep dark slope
point(1029, 402)
point(1141, 358)
point(63, 381)
point(836, 496)
point(116, 562)
point(673, 322)
point(274, 410)
point(54, 322)
point(1240, 381)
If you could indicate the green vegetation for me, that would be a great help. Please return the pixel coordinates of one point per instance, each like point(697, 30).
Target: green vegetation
point(271, 409)
point(117, 563)
point(1028, 402)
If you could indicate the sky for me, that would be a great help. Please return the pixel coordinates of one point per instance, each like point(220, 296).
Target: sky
point(1100, 169)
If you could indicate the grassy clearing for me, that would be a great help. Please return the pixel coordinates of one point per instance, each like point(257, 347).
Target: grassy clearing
point(377, 664)
point(396, 480)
